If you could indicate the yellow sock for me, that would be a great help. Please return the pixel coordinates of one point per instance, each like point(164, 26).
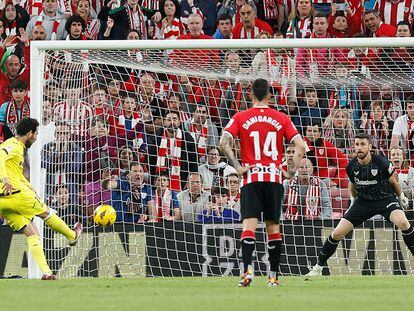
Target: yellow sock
point(37, 252)
point(57, 224)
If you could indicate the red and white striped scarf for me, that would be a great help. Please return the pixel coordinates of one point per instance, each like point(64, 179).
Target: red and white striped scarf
point(137, 21)
point(92, 29)
point(163, 204)
point(200, 137)
point(12, 112)
point(171, 148)
point(56, 24)
point(173, 31)
point(249, 34)
point(232, 201)
point(11, 31)
point(312, 199)
point(299, 28)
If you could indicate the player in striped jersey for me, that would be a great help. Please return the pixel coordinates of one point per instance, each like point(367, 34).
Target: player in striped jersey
point(261, 131)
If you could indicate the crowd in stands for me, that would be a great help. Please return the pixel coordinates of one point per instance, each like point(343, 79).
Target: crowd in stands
point(147, 142)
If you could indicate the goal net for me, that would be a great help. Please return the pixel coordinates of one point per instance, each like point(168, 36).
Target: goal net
point(136, 125)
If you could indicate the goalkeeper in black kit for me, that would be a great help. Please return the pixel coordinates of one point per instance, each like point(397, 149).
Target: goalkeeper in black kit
point(374, 190)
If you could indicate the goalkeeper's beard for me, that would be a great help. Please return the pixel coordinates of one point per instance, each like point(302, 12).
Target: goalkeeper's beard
point(365, 154)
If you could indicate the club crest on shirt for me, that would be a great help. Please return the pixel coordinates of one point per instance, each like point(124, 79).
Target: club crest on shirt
point(143, 195)
point(406, 9)
point(321, 151)
point(374, 171)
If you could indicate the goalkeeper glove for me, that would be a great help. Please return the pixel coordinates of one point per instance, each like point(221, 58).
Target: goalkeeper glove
point(403, 200)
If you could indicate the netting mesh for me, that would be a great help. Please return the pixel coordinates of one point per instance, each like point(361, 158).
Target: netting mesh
point(139, 130)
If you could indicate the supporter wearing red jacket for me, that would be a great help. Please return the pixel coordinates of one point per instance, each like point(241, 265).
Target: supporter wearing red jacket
point(377, 27)
point(195, 58)
point(250, 26)
point(328, 161)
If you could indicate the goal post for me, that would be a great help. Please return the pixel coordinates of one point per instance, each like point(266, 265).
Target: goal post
point(156, 245)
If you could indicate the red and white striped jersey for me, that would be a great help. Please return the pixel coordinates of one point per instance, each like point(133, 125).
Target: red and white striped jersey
point(151, 4)
point(321, 1)
point(394, 11)
point(92, 29)
point(173, 31)
point(299, 28)
point(261, 131)
point(77, 115)
point(33, 7)
point(270, 9)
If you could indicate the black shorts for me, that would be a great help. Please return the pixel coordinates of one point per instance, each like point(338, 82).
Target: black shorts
point(363, 210)
point(261, 197)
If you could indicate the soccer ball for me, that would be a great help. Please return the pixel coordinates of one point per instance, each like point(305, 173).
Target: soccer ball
point(104, 215)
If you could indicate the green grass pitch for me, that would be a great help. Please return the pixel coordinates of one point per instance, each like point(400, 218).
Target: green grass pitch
point(213, 294)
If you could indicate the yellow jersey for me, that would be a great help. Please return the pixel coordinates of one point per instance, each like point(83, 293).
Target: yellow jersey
point(12, 163)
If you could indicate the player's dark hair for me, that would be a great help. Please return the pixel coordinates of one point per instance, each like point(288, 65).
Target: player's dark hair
point(26, 125)
point(18, 84)
point(260, 88)
point(364, 135)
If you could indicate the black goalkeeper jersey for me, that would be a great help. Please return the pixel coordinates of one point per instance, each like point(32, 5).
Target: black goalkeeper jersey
point(371, 180)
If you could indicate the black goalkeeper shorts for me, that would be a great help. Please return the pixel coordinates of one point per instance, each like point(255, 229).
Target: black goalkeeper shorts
point(363, 210)
point(261, 197)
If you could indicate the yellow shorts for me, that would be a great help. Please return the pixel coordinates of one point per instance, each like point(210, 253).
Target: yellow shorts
point(20, 208)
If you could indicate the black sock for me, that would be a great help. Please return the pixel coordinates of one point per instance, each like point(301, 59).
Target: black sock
point(274, 249)
point(247, 245)
point(328, 249)
point(408, 236)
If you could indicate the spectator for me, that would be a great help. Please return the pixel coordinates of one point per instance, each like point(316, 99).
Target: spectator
point(376, 27)
point(172, 149)
point(400, 60)
point(237, 97)
point(328, 161)
point(391, 103)
point(99, 148)
point(217, 211)
point(98, 192)
point(171, 26)
point(312, 112)
point(195, 58)
point(214, 171)
point(206, 9)
point(48, 127)
point(233, 184)
point(84, 9)
point(192, 200)
point(250, 26)
point(62, 160)
point(209, 93)
point(75, 27)
point(402, 171)
point(315, 62)
point(74, 111)
point(376, 124)
point(232, 62)
point(403, 127)
point(338, 26)
point(126, 156)
point(299, 23)
point(132, 197)
point(18, 107)
point(100, 107)
point(114, 90)
point(202, 130)
point(174, 103)
point(224, 27)
point(65, 207)
point(50, 19)
point(340, 131)
point(14, 68)
point(149, 104)
point(165, 200)
point(15, 18)
point(306, 196)
point(232, 8)
point(38, 33)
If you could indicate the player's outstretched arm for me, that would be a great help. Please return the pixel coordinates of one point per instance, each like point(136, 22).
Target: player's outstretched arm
point(226, 147)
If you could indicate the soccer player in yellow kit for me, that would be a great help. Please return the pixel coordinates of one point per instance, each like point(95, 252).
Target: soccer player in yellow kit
point(19, 204)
